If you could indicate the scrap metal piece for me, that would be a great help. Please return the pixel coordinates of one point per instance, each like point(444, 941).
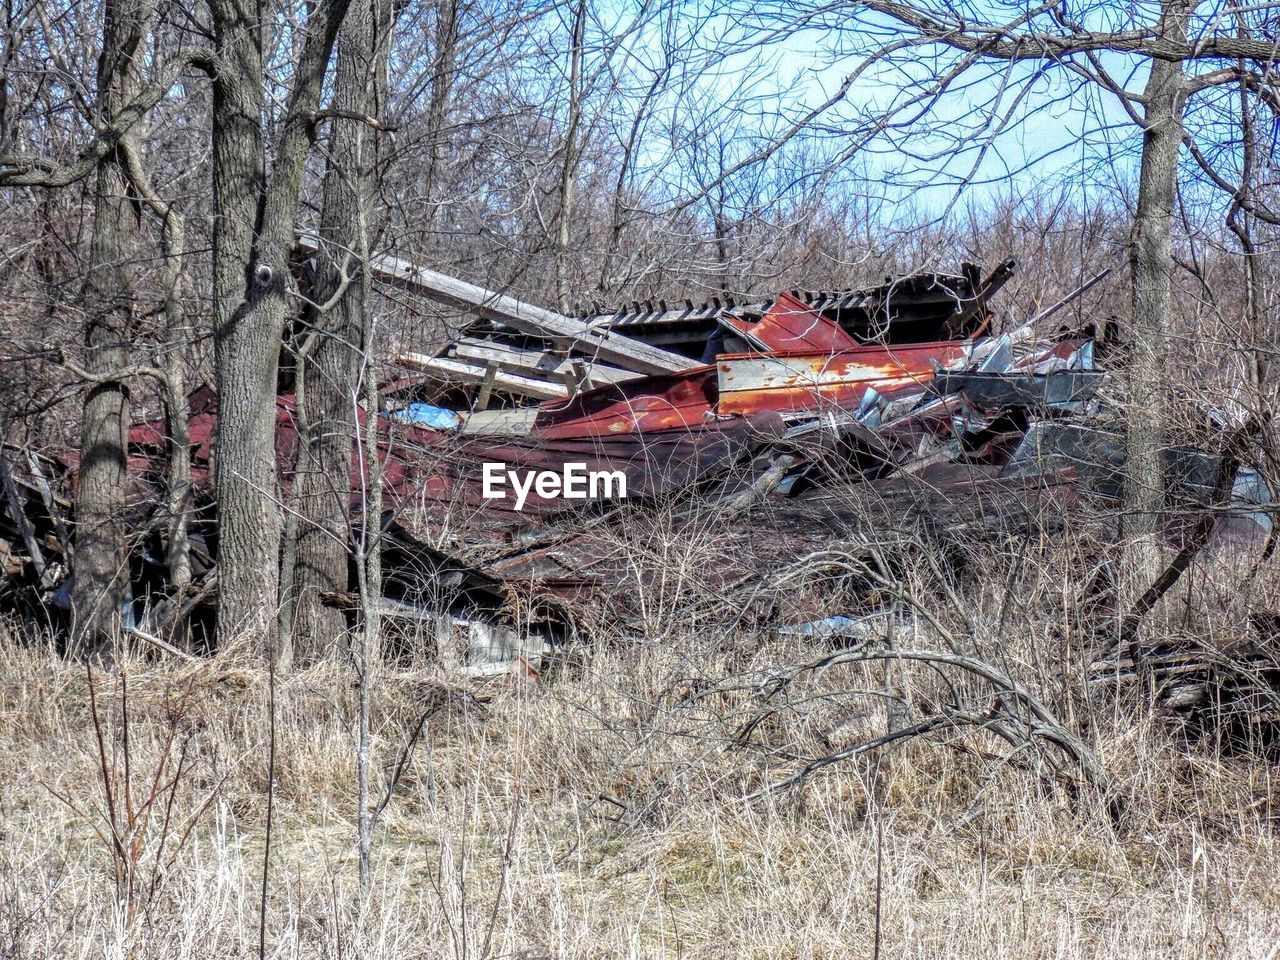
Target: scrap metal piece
point(681, 401)
point(1097, 456)
point(1068, 390)
point(794, 383)
point(1072, 296)
point(791, 326)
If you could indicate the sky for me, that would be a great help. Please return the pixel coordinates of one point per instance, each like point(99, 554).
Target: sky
point(1055, 129)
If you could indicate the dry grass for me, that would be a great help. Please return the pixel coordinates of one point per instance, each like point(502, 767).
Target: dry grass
point(600, 814)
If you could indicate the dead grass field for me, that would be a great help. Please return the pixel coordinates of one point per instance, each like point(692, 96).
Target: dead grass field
point(588, 817)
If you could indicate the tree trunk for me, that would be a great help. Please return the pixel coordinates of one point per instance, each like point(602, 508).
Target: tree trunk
point(173, 384)
point(1241, 221)
point(178, 473)
point(569, 168)
point(446, 41)
point(101, 550)
point(244, 345)
point(368, 566)
point(1151, 252)
point(331, 359)
point(629, 147)
point(253, 234)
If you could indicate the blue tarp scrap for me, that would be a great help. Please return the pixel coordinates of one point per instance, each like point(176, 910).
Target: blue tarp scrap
point(426, 415)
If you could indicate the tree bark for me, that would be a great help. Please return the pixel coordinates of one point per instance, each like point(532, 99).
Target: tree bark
point(243, 343)
point(1241, 219)
point(330, 361)
point(173, 389)
point(253, 234)
point(101, 550)
point(442, 73)
point(368, 564)
point(569, 168)
point(1151, 253)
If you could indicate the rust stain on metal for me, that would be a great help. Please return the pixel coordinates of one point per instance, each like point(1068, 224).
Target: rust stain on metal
point(680, 401)
point(802, 382)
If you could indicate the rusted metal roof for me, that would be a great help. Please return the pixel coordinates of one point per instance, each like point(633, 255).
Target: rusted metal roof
point(791, 326)
point(913, 308)
point(517, 358)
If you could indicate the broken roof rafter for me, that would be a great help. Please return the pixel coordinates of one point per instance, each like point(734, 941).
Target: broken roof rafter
point(592, 340)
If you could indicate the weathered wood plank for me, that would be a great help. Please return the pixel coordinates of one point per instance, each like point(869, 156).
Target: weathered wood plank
point(517, 360)
point(461, 371)
point(486, 385)
point(510, 422)
point(22, 524)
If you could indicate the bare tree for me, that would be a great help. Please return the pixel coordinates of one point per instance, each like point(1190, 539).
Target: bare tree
point(255, 207)
point(572, 148)
point(443, 65)
point(102, 566)
point(116, 118)
point(330, 350)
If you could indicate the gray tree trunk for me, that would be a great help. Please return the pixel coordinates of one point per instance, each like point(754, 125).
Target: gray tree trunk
point(368, 569)
point(173, 390)
point(1151, 253)
point(569, 168)
point(253, 234)
point(330, 362)
point(442, 72)
point(101, 549)
point(244, 344)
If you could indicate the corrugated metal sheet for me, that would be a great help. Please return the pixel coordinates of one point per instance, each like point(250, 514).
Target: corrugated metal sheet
point(814, 381)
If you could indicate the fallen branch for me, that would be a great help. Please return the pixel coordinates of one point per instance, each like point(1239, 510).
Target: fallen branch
point(1003, 716)
point(160, 645)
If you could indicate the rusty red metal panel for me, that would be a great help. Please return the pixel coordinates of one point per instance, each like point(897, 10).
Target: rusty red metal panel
point(444, 495)
point(681, 401)
point(422, 466)
point(743, 385)
point(792, 326)
point(751, 383)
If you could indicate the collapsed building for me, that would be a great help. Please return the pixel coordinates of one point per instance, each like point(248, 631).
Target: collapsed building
point(791, 420)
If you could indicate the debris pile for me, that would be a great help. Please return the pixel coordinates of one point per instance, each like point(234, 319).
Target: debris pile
point(796, 421)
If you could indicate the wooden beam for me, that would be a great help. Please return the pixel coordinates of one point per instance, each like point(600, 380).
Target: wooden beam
point(594, 342)
point(570, 382)
point(51, 504)
point(509, 422)
point(486, 385)
point(517, 360)
point(460, 371)
point(160, 644)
